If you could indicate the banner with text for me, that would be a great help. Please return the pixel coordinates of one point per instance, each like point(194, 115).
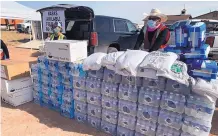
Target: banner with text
point(52, 18)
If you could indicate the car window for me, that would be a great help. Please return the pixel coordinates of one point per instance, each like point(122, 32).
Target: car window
point(131, 26)
point(120, 25)
point(102, 24)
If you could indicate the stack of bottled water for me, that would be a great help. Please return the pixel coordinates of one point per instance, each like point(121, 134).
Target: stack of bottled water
point(53, 84)
point(198, 116)
point(127, 106)
point(80, 94)
point(109, 91)
point(93, 88)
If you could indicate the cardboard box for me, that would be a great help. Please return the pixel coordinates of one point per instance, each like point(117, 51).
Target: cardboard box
point(17, 92)
point(66, 50)
point(15, 69)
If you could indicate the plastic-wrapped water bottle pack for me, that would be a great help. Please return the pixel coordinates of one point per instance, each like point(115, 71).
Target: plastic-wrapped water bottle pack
point(53, 83)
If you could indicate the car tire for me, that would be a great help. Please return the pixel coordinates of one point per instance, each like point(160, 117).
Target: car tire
point(111, 49)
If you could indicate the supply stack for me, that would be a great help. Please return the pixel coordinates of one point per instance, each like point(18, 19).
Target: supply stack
point(150, 94)
point(54, 74)
point(190, 46)
point(16, 83)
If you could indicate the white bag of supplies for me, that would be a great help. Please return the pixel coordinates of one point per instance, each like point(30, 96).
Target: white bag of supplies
point(160, 61)
point(93, 62)
point(110, 59)
point(128, 62)
point(204, 87)
point(177, 72)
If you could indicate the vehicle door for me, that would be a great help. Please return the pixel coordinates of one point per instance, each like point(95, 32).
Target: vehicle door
point(126, 32)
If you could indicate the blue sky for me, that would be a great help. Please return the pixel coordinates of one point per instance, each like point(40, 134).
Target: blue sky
point(133, 10)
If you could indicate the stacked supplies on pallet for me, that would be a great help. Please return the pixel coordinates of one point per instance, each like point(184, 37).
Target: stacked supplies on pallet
point(54, 75)
point(161, 100)
point(190, 46)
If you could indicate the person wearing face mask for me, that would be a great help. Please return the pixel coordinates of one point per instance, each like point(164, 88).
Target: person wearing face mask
point(154, 34)
point(57, 35)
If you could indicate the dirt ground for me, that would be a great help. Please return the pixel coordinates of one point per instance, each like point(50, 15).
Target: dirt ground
point(13, 38)
point(32, 120)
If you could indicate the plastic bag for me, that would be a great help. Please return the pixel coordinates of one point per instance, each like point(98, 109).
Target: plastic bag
point(93, 62)
point(128, 62)
point(178, 72)
point(206, 88)
point(159, 61)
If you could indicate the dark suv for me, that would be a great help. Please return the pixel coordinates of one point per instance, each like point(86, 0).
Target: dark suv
point(104, 33)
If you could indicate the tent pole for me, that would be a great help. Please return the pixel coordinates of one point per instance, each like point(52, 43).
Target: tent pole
point(42, 34)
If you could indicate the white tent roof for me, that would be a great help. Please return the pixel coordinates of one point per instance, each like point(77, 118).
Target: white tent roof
point(14, 10)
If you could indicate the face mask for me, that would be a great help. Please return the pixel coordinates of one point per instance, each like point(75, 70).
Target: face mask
point(56, 31)
point(151, 24)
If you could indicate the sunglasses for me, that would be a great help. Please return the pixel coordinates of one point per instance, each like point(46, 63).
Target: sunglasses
point(153, 18)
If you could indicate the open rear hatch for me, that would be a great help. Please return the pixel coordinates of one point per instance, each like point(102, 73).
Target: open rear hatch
point(78, 20)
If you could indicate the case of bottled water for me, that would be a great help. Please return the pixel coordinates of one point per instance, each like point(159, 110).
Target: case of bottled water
point(110, 116)
point(76, 70)
point(67, 109)
point(205, 69)
point(55, 105)
point(79, 83)
point(80, 95)
point(45, 101)
point(167, 131)
point(126, 121)
point(147, 128)
point(200, 107)
point(121, 131)
point(109, 103)
point(111, 76)
point(128, 108)
point(176, 87)
point(80, 117)
point(128, 92)
point(93, 85)
point(170, 119)
point(35, 69)
point(56, 78)
point(197, 53)
point(148, 96)
point(53, 66)
point(68, 80)
point(197, 34)
point(43, 62)
point(108, 128)
point(94, 98)
point(63, 67)
point(80, 106)
point(182, 35)
point(154, 83)
point(147, 113)
point(96, 73)
point(196, 127)
point(94, 111)
point(94, 122)
point(129, 80)
point(109, 89)
point(173, 102)
point(67, 95)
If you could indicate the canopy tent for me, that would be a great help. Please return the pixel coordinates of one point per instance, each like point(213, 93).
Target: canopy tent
point(14, 10)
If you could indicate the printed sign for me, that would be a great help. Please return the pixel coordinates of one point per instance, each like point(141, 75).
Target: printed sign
point(3, 72)
point(52, 18)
